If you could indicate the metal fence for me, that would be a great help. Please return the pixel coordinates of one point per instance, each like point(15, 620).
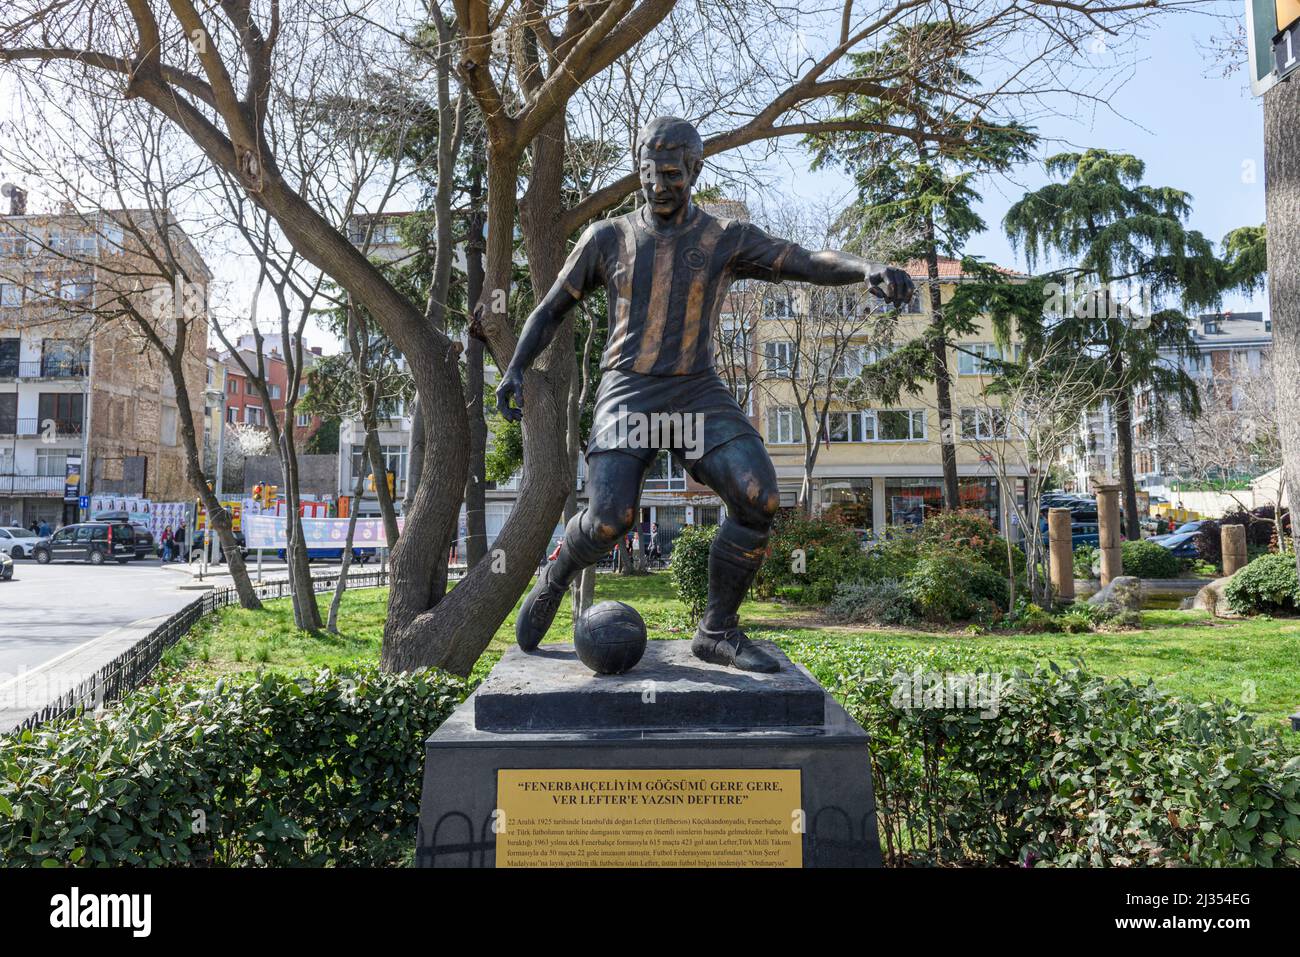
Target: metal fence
point(128, 670)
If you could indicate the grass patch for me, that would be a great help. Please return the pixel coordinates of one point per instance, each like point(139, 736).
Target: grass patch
point(1254, 662)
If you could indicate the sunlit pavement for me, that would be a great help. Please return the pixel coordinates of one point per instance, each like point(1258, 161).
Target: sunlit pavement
point(47, 610)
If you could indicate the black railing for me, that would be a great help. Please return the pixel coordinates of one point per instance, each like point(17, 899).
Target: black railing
point(128, 670)
point(28, 484)
point(46, 369)
point(33, 428)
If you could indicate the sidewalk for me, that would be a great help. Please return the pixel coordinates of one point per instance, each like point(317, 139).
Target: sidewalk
point(39, 687)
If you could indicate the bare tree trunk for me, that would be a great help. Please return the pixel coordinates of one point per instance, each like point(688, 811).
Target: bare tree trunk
point(454, 634)
point(379, 468)
point(332, 624)
point(218, 518)
point(1282, 177)
point(475, 500)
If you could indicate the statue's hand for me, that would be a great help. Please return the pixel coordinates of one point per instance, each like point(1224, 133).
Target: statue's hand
point(893, 285)
point(512, 386)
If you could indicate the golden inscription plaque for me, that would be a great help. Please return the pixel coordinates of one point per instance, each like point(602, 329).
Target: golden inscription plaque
point(569, 817)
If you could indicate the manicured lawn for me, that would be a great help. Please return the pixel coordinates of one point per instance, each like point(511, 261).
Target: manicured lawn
point(1255, 663)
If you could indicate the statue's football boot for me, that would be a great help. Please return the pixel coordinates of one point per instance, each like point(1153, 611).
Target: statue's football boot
point(538, 610)
point(731, 646)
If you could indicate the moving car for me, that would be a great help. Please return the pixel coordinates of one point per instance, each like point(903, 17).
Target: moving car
point(18, 542)
point(94, 542)
point(6, 567)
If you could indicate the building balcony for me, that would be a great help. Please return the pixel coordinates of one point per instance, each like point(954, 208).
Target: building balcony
point(39, 428)
point(45, 369)
point(31, 484)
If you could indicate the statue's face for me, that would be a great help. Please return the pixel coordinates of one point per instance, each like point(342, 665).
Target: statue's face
point(666, 181)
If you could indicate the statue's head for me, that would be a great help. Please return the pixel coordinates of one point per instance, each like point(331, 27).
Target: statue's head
point(670, 155)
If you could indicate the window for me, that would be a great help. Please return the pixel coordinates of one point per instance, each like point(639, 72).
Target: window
point(64, 409)
point(81, 243)
point(8, 413)
point(302, 420)
point(851, 362)
point(665, 474)
point(778, 356)
point(9, 356)
point(253, 415)
point(743, 395)
point(984, 424)
point(249, 388)
point(232, 387)
point(110, 238)
point(869, 425)
point(12, 245)
point(51, 462)
point(734, 338)
point(11, 294)
point(851, 427)
point(978, 363)
point(76, 289)
point(64, 357)
point(784, 426)
point(168, 425)
point(779, 305)
point(274, 390)
point(232, 414)
point(900, 425)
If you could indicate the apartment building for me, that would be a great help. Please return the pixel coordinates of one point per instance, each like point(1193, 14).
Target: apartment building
point(878, 465)
point(86, 404)
point(1230, 371)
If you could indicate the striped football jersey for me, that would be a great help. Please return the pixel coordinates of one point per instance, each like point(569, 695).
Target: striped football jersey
point(666, 286)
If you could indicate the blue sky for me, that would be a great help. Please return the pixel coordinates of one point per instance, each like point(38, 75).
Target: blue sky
point(1195, 129)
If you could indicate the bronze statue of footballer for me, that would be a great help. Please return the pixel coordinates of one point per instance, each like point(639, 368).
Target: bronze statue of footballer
point(666, 269)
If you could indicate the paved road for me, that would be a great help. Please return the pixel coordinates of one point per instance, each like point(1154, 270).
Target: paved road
point(50, 609)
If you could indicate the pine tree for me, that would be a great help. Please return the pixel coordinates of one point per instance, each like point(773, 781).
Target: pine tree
point(1129, 253)
point(922, 189)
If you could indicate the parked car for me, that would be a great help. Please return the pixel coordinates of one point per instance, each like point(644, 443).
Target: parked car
point(144, 541)
point(18, 542)
point(1187, 528)
point(94, 542)
point(6, 567)
point(1182, 544)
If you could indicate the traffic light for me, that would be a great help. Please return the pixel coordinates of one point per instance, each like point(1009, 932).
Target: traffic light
point(257, 492)
point(268, 494)
point(392, 482)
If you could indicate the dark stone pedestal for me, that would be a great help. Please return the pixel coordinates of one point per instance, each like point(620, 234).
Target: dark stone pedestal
point(672, 712)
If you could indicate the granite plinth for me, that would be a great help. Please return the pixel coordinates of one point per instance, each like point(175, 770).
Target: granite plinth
point(551, 690)
point(460, 807)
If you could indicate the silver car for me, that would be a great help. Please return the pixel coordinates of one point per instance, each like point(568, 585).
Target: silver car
point(18, 542)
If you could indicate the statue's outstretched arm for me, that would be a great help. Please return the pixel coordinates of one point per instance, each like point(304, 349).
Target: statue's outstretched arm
point(831, 267)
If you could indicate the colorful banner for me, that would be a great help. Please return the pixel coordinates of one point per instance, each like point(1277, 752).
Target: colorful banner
point(72, 479)
point(268, 531)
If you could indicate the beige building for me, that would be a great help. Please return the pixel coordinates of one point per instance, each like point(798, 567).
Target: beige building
point(79, 384)
point(879, 465)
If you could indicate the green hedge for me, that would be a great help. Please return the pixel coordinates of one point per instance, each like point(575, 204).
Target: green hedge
point(316, 771)
point(1072, 770)
point(689, 566)
point(1149, 560)
point(1266, 585)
